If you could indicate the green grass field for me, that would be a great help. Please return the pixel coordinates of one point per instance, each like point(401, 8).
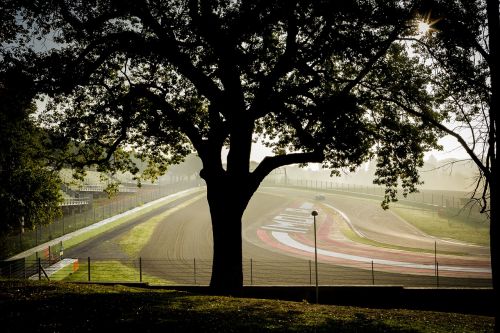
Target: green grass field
point(447, 226)
point(60, 307)
point(108, 271)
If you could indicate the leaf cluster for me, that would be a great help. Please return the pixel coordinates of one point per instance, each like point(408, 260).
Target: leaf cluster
point(29, 186)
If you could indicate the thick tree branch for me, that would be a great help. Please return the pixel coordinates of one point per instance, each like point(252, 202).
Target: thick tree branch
point(208, 26)
point(185, 125)
point(84, 28)
point(283, 66)
point(270, 163)
point(167, 46)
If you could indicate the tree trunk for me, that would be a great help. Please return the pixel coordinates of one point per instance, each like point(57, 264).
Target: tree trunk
point(494, 249)
point(227, 203)
point(494, 46)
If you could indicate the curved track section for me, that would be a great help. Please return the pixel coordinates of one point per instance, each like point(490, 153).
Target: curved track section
point(291, 231)
point(278, 244)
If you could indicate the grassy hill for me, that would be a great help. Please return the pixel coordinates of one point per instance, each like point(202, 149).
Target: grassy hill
point(59, 307)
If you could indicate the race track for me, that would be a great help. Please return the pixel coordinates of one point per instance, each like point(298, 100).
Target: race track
point(278, 244)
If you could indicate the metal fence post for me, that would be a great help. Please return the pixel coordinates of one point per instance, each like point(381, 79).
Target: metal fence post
point(437, 274)
point(251, 271)
point(435, 254)
point(39, 269)
point(310, 274)
point(373, 275)
point(140, 269)
point(88, 268)
point(194, 270)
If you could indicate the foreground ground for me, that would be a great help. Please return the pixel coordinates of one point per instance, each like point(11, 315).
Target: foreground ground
point(58, 307)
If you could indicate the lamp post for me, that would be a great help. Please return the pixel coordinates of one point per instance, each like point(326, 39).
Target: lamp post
point(314, 214)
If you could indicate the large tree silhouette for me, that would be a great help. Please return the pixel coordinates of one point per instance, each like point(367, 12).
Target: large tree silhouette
point(319, 81)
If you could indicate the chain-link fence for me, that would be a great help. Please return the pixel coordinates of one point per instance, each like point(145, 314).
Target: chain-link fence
point(453, 204)
point(80, 216)
point(255, 272)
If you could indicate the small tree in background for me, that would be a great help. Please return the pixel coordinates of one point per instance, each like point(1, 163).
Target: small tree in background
point(462, 47)
point(29, 187)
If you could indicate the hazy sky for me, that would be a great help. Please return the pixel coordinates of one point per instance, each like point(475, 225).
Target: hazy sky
point(452, 149)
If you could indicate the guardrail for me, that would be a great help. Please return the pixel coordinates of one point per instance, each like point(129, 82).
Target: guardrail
point(101, 188)
point(76, 201)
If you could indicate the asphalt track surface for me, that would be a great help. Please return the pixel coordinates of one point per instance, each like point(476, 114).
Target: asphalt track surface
point(278, 244)
point(105, 245)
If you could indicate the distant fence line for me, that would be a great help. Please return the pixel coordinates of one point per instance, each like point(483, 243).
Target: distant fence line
point(76, 201)
point(77, 216)
point(255, 272)
point(101, 188)
point(430, 198)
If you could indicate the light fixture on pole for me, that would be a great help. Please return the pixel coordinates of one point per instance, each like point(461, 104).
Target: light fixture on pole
point(314, 214)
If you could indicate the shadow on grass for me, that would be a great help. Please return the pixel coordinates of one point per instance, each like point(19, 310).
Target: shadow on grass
point(79, 308)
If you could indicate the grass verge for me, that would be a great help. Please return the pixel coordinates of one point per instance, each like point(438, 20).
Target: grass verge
point(433, 224)
point(427, 220)
point(34, 306)
point(108, 271)
point(351, 235)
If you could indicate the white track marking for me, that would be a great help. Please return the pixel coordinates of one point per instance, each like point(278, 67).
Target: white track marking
point(285, 239)
point(348, 221)
point(96, 225)
point(301, 221)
